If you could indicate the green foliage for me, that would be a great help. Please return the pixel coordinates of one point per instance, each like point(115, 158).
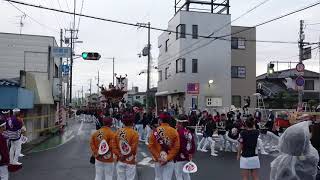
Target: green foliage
point(137, 104)
point(283, 100)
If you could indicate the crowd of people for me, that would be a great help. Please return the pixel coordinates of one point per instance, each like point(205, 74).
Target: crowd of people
point(12, 135)
point(173, 139)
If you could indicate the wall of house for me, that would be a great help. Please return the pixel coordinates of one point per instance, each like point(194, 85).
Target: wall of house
point(214, 59)
point(244, 87)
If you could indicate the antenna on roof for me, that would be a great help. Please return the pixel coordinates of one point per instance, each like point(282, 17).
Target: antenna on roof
point(21, 23)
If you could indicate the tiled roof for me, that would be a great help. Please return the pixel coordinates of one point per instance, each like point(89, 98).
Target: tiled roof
point(6, 82)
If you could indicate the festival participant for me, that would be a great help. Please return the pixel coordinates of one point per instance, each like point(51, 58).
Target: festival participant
point(298, 159)
point(257, 118)
point(270, 122)
point(193, 121)
point(139, 123)
point(148, 122)
point(221, 126)
point(125, 148)
point(164, 145)
point(18, 116)
point(187, 148)
point(4, 152)
point(209, 129)
point(102, 140)
point(249, 160)
point(13, 132)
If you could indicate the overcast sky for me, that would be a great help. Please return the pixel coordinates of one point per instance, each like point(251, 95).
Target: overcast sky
point(124, 42)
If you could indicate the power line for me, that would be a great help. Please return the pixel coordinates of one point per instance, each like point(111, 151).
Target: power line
point(313, 24)
point(55, 15)
point(227, 24)
point(43, 25)
point(282, 59)
point(246, 29)
point(166, 30)
point(79, 18)
point(61, 9)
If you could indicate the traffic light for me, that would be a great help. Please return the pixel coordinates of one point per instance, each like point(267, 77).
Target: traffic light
point(270, 69)
point(91, 56)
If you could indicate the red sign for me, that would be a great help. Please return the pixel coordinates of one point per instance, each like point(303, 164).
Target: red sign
point(193, 88)
point(300, 67)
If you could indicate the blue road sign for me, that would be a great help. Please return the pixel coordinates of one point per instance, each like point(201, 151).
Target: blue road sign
point(300, 81)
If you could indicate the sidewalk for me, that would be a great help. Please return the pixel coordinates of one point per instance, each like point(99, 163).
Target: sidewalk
point(49, 141)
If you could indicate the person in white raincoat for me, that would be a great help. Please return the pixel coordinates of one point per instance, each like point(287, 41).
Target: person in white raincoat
point(298, 159)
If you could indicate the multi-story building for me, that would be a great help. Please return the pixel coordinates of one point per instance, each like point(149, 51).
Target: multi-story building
point(27, 59)
point(198, 71)
point(243, 65)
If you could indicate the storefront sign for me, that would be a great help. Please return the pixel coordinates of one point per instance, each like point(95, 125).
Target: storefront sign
point(193, 88)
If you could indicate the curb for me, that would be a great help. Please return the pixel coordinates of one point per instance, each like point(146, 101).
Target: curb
point(26, 148)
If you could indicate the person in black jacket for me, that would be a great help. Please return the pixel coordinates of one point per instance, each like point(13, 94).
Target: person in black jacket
point(209, 129)
point(193, 121)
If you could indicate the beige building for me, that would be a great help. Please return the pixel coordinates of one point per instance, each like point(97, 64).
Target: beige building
point(243, 65)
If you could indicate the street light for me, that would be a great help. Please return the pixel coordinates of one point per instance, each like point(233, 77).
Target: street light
point(210, 82)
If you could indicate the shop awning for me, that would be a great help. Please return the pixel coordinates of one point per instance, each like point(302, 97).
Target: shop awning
point(40, 84)
point(163, 93)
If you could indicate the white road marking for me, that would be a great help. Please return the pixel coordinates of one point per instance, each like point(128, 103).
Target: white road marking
point(146, 162)
point(80, 128)
point(144, 154)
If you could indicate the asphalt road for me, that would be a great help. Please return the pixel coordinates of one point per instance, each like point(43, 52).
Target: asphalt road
point(70, 161)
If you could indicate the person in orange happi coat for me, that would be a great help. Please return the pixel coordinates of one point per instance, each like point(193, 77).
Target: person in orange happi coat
point(164, 145)
point(101, 144)
point(125, 148)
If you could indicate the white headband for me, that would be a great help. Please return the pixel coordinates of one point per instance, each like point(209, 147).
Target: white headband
point(5, 112)
point(3, 124)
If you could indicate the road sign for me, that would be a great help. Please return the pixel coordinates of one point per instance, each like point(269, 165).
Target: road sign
point(300, 81)
point(300, 67)
point(306, 53)
point(61, 52)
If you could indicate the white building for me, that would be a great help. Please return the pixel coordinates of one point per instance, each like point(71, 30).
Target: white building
point(27, 57)
point(184, 74)
point(200, 72)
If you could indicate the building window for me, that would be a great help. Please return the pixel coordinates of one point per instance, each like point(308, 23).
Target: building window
point(56, 71)
point(236, 101)
point(238, 43)
point(238, 72)
point(214, 101)
point(166, 48)
point(195, 31)
point(181, 31)
point(137, 97)
point(194, 65)
point(209, 101)
point(166, 73)
point(160, 75)
point(180, 65)
point(309, 85)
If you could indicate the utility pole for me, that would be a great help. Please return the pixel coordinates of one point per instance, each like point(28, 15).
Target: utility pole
point(98, 82)
point(319, 66)
point(60, 73)
point(301, 44)
point(71, 67)
point(82, 96)
point(147, 25)
point(90, 86)
point(113, 71)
